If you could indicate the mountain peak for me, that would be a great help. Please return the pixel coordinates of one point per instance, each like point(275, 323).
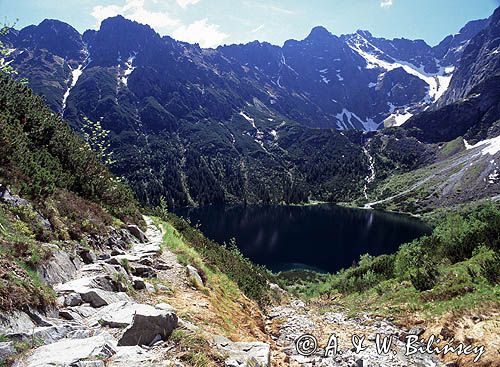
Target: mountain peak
point(58, 37)
point(364, 33)
point(319, 32)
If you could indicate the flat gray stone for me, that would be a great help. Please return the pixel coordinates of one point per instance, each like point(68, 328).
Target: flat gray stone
point(67, 352)
point(120, 314)
point(15, 322)
point(60, 268)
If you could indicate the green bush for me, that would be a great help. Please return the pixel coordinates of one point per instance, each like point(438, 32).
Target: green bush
point(490, 269)
point(423, 279)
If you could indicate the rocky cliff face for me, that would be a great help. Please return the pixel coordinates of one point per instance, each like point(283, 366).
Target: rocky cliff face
point(480, 60)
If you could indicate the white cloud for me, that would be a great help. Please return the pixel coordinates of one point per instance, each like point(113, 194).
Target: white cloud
point(255, 30)
point(185, 3)
point(386, 3)
point(202, 32)
point(135, 10)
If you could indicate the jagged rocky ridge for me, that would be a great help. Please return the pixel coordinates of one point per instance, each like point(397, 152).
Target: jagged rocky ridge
point(204, 126)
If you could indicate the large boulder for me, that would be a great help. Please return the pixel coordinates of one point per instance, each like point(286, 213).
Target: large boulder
point(148, 325)
point(68, 352)
point(59, 268)
point(121, 314)
point(15, 323)
point(241, 354)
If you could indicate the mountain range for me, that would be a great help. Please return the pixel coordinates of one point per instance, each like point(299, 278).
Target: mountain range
point(325, 118)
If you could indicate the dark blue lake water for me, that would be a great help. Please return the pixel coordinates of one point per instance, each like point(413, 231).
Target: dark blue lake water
point(320, 237)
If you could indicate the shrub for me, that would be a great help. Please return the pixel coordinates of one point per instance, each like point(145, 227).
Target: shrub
point(408, 257)
point(425, 277)
point(490, 269)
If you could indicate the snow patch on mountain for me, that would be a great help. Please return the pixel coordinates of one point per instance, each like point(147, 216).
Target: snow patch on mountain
point(437, 82)
point(368, 124)
point(491, 146)
point(129, 69)
point(75, 75)
point(401, 118)
point(258, 134)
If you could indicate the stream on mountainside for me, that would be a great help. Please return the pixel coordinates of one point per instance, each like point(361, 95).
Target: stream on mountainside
point(322, 237)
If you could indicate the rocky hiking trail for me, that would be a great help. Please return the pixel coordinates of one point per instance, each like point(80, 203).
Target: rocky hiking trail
point(99, 322)
point(96, 323)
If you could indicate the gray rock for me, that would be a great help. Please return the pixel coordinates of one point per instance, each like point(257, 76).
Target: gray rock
point(138, 283)
point(68, 352)
point(194, 276)
point(7, 349)
point(15, 322)
point(69, 315)
point(88, 257)
point(144, 271)
point(103, 257)
point(51, 334)
point(120, 314)
point(96, 363)
point(60, 268)
point(73, 299)
point(241, 354)
point(137, 233)
point(146, 325)
point(165, 307)
point(7, 197)
point(134, 356)
point(161, 265)
point(98, 297)
point(82, 285)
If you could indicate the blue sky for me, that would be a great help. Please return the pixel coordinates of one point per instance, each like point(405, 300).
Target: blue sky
point(214, 22)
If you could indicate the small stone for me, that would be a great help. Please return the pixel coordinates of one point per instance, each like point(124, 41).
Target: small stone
point(194, 276)
point(103, 257)
point(137, 233)
point(88, 257)
point(73, 299)
point(138, 283)
point(143, 271)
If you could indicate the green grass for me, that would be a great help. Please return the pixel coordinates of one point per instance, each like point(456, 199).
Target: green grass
point(456, 291)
